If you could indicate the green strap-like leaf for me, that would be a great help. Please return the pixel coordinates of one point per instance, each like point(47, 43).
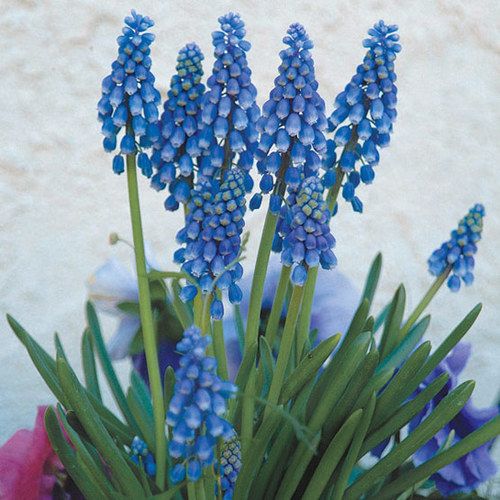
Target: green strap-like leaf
point(266, 368)
point(442, 414)
point(67, 455)
point(389, 339)
point(474, 440)
point(372, 279)
point(352, 455)
point(404, 414)
point(95, 429)
point(89, 366)
point(332, 456)
point(107, 367)
point(308, 368)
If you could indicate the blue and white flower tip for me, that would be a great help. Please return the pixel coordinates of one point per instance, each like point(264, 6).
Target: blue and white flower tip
point(229, 467)
point(303, 233)
point(196, 410)
point(457, 254)
point(211, 238)
point(365, 113)
point(292, 123)
point(129, 98)
point(141, 456)
point(229, 111)
point(176, 153)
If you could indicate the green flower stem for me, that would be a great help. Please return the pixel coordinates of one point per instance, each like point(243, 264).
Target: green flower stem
point(191, 491)
point(259, 277)
point(285, 348)
point(247, 414)
point(198, 310)
point(333, 193)
point(277, 307)
point(303, 326)
point(426, 299)
point(147, 324)
point(220, 349)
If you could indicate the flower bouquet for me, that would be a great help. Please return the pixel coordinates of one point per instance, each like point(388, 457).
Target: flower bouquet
point(283, 383)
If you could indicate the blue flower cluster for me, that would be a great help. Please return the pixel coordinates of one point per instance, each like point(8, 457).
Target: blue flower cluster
point(292, 122)
point(176, 152)
point(212, 238)
point(230, 464)
point(303, 232)
point(196, 409)
point(140, 455)
point(228, 108)
point(367, 108)
point(129, 97)
point(458, 252)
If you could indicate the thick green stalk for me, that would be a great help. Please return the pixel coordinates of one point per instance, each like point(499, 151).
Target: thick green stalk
point(285, 347)
point(259, 277)
point(147, 324)
point(303, 326)
point(426, 299)
point(220, 349)
point(333, 193)
point(277, 307)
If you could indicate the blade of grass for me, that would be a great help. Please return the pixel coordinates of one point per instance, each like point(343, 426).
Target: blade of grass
point(89, 366)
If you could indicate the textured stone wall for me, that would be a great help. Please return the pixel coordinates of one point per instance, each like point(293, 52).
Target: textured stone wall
point(59, 199)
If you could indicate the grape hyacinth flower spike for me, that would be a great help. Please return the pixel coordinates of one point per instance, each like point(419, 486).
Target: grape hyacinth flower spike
point(129, 98)
point(212, 238)
point(303, 231)
point(196, 409)
point(364, 115)
point(176, 152)
point(457, 254)
point(228, 108)
point(292, 123)
point(229, 467)
point(141, 455)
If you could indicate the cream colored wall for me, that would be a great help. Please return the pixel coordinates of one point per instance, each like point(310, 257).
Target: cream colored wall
point(59, 199)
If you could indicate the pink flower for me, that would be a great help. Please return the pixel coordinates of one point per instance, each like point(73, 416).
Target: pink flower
point(28, 465)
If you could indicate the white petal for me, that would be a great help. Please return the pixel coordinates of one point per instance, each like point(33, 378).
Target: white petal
point(119, 344)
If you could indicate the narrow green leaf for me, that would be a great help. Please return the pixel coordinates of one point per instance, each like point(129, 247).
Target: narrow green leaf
point(442, 414)
point(380, 319)
point(352, 455)
point(252, 462)
point(345, 368)
point(404, 414)
point(401, 386)
point(182, 311)
point(266, 367)
point(143, 417)
point(332, 456)
point(168, 385)
point(357, 324)
point(91, 464)
point(96, 430)
point(474, 440)
point(59, 347)
point(406, 347)
point(89, 366)
point(308, 368)
point(107, 367)
point(393, 321)
point(450, 342)
point(68, 457)
point(372, 278)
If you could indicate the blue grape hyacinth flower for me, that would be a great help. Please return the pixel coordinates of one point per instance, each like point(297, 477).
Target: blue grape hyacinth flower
point(129, 98)
point(176, 152)
point(365, 113)
point(140, 455)
point(196, 410)
point(458, 252)
point(228, 109)
point(292, 123)
point(212, 238)
point(303, 232)
point(229, 467)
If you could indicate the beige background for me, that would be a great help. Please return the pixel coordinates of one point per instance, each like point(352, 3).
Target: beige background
point(59, 199)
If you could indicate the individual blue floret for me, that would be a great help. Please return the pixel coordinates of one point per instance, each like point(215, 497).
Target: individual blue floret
point(176, 153)
point(303, 232)
point(229, 112)
point(457, 253)
point(365, 113)
point(292, 123)
point(140, 455)
point(195, 413)
point(129, 99)
point(211, 238)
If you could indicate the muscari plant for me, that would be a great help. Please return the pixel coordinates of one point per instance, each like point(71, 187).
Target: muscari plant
point(300, 415)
